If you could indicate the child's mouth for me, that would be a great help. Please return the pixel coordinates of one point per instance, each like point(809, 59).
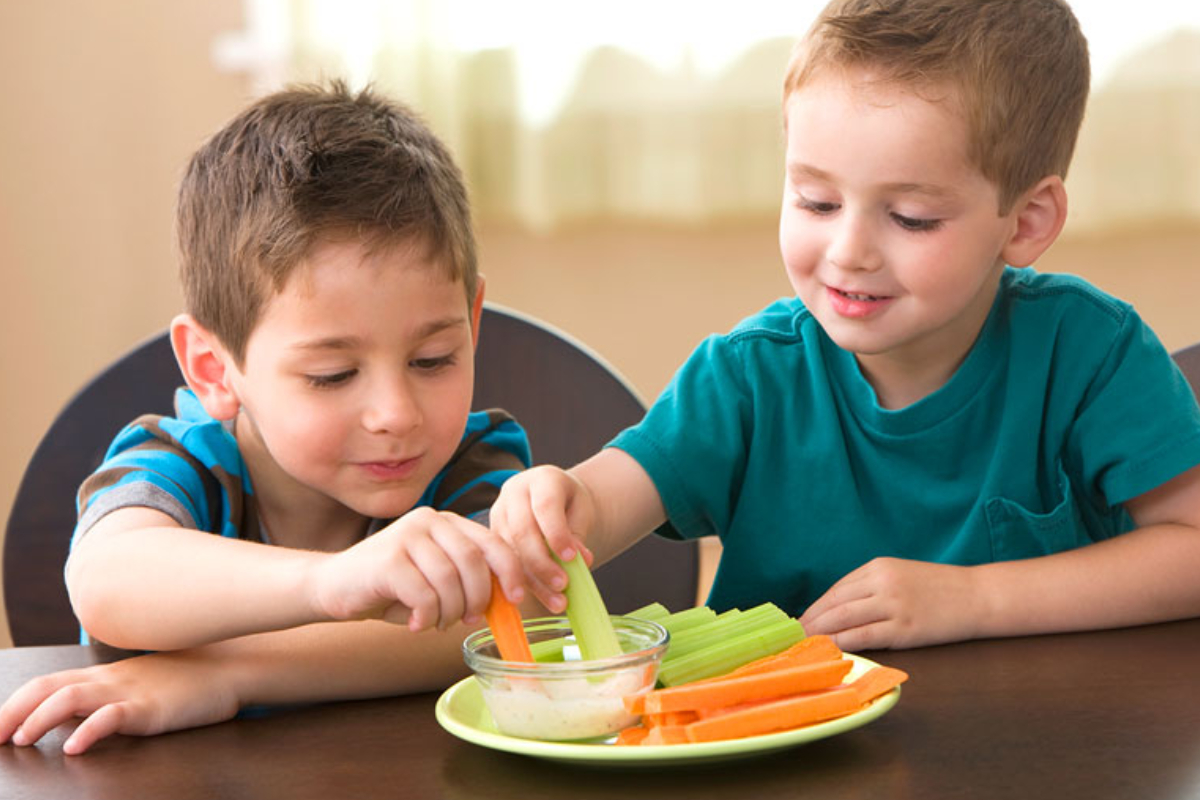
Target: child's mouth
point(391, 470)
point(856, 304)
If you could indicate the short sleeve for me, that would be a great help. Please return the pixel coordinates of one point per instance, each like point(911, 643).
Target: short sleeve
point(693, 441)
point(145, 466)
point(1138, 425)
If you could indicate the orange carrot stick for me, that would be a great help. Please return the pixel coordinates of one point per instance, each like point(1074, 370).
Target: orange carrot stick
point(505, 621)
point(634, 734)
point(747, 688)
point(790, 712)
point(669, 718)
point(877, 682)
point(807, 651)
point(666, 734)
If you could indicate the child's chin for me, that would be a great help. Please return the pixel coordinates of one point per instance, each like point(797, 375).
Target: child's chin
point(388, 507)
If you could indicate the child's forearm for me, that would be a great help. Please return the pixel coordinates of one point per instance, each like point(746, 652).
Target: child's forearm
point(1147, 575)
point(338, 661)
point(169, 588)
point(626, 501)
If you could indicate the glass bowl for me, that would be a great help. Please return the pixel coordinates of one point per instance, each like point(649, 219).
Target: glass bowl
point(559, 697)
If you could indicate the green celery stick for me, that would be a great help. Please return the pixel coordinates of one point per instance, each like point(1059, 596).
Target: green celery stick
point(725, 626)
point(548, 651)
point(587, 613)
point(730, 653)
point(654, 612)
point(687, 619)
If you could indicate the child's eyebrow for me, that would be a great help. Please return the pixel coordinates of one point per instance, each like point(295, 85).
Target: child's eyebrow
point(351, 342)
point(798, 171)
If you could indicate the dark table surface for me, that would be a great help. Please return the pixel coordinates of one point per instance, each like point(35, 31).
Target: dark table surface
point(1113, 714)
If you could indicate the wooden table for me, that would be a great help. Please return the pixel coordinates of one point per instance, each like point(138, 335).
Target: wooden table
point(1099, 715)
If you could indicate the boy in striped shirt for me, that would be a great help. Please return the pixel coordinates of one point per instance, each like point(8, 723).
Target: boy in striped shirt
point(333, 304)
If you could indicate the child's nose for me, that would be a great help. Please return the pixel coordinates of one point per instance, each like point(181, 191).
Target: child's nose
point(853, 246)
point(392, 408)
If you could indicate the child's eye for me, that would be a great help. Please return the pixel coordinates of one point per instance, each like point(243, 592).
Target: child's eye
point(327, 381)
point(434, 364)
point(817, 207)
point(916, 225)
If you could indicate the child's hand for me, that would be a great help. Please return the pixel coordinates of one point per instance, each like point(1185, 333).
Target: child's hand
point(139, 696)
point(894, 603)
point(545, 506)
point(426, 569)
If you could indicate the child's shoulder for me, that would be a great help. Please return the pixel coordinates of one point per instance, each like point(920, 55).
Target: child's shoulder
point(781, 322)
point(1060, 294)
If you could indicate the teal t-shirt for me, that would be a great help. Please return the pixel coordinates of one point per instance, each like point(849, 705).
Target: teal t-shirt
point(770, 438)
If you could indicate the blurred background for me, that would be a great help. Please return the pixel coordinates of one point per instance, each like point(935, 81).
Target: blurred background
point(624, 160)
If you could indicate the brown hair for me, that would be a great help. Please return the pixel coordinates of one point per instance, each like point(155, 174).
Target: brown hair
point(1018, 70)
point(300, 166)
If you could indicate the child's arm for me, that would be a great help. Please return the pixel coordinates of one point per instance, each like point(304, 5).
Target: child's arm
point(161, 692)
point(1146, 575)
point(138, 580)
point(599, 507)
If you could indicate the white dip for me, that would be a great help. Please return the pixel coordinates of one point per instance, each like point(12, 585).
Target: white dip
point(572, 708)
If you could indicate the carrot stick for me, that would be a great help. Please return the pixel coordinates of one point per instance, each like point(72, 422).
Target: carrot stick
point(666, 734)
point(790, 712)
point(634, 734)
point(505, 621)
point(807, 651)
point(877, 682)
point(743, 689)
point(669, 718)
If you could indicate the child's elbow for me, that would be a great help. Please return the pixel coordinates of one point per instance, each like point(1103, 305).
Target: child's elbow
point(93, 605)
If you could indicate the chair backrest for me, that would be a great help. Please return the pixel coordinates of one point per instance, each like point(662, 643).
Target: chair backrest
point(1188, 360)
point(568, 400)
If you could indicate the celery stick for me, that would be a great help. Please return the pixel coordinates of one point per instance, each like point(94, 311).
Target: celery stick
point(725, 626)
point(687, 619)
point(654, 612)
point(729, 653)
point(548, 651)
point(587, 613)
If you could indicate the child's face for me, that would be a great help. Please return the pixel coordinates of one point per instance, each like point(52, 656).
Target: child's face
point(890, 236)
point(357, 382)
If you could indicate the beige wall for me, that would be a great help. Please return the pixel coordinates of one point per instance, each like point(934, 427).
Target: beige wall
point(103, 103)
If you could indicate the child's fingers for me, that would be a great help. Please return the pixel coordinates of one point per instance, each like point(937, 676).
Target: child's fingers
point(499, 559)
point(550, 502)
point(851, 587)
point(874, 636)
point(69, 701)
point(23, 702)
point(515, 521)
point(512, 532)
point(104, 722)
point(472, 549)
point(845, 616)
point(444, 601)
point(416, 600)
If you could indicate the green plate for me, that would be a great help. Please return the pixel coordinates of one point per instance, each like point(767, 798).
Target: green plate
point(461, 711)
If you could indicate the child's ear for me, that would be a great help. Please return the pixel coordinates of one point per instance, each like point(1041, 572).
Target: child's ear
point(1040, 215)
point(477, 310)
point(206, 366)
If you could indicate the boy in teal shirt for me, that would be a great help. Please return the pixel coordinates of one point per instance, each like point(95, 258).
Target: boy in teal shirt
point(927, 443)
point(333, 304)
